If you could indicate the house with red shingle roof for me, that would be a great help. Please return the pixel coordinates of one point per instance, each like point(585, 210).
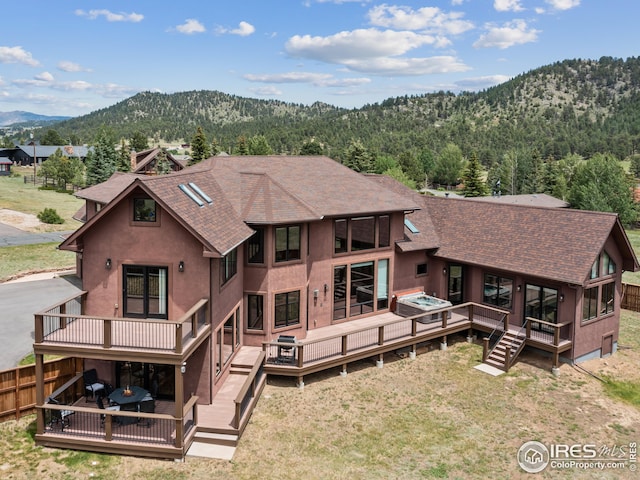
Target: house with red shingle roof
point(198, 284)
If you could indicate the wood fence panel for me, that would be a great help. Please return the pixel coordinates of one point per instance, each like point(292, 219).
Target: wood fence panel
point(18, 385)
point(630, 297)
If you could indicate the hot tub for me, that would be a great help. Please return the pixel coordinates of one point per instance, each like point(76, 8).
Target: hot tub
point(417, 303)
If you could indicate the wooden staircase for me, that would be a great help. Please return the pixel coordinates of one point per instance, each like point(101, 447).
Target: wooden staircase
point(506, 350)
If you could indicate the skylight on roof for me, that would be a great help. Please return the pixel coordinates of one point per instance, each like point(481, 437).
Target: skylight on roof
point(204, 196)
point(412, 228)
point(190, 194)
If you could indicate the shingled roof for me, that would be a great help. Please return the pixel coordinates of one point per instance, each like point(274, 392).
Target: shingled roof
point(553, 243)
point(253, 190)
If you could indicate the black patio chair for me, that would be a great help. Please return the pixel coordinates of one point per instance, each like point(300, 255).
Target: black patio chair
point(60, 417)
point(100, 404)
point(146, 405)
point(92, 384)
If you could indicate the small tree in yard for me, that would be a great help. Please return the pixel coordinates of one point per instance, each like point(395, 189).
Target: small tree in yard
point(49, 215)
point(101, 162)
point(63, 169)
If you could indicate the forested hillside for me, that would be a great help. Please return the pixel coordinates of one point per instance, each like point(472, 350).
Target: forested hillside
point(574, 106)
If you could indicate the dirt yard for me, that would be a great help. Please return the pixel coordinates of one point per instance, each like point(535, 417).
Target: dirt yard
point(22, 221)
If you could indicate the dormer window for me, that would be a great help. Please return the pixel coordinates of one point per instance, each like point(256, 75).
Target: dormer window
point(144, 210)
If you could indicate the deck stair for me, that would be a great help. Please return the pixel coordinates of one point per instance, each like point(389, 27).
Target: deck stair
point(216, 435)
point(506, 350)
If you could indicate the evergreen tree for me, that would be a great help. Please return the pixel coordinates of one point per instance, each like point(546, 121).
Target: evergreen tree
point(412, 167)
point(601, 184)
point(241, 147)
point(384, 163)
point(311, 148)
point(258, 145)
point(51, 137)
point(101, 162)
point(474, 185)
point(139, 142)
point(215, 147)
point(162, 166)
point(358, 158)
point(199, 147)
point(398, 174)
point(123, 161)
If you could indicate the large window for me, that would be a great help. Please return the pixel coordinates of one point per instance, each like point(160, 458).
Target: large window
point(361, 233)
point(607, 297)
point(590, 304)
point(255, 246)
point(255, 315)
point(288, 243)
point(287, 309)
point(144, 210)
point(602, 266)
point(542, 304)
point(360, 288)
point(145, 291)
point(498, 290)
point(228, 266)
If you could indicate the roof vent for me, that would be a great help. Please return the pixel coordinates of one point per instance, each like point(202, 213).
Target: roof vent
point(204, 196)
point(190, 194)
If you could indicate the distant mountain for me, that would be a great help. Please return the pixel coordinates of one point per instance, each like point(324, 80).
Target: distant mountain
point(22, 118)
point(573, 106)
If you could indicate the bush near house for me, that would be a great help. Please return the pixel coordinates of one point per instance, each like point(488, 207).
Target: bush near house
point(49, 215)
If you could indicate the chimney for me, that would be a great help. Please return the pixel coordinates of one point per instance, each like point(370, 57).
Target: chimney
point(134, 158)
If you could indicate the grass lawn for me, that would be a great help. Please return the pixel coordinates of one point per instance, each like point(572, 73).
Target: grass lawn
point(432, 417)
point(40, 257)
point(634, 239)
point(26, 198)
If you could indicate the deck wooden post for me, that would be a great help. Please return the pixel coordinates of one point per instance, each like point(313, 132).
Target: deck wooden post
point(179, 404)
point(470, 312)
point(414, 327)
point(507, 359)
point(63, 319)
point(445, 316)
point(39, 392)
point(506, 322)
point(381, 335)
point(344, 344)
point(300, 359)
point(485, 348)
point(194, 325)
point(528, 329)
point(556, 336)
point(178, 338)
point(39, 329)
point(106, 329)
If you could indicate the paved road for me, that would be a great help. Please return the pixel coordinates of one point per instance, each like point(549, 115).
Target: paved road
point(19, 301)
point(10, 236)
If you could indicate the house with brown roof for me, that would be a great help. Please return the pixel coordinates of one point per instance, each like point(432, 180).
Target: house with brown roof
point(153, 161)
point(198, 284)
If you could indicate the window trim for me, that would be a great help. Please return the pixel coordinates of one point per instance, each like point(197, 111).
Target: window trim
point(145, 300)
point(346, 243)
point(134, 207)
point(288, 249)
point(258, 257)
point(228, 266)
point(259, 310)
point(426, 269)
point(288, 323)
point(499, 279)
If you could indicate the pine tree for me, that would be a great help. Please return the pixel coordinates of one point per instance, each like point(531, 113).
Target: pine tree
point(199, 147)
point(101, 162)
point(242, 148)
point(358, 158)
point(474, 185)
point(123, 162)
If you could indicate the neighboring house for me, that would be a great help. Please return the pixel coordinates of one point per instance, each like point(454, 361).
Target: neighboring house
point(199, 283)
point(147, 161)
point(24, 154)
point(5, 166)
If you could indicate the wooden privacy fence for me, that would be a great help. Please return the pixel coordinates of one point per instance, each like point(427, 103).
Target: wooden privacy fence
point(18, 385)
point(630, 297)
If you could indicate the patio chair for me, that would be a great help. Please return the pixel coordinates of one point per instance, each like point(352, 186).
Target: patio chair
point(92, 384)
point(146, 405)
point(59, 416)
point(113, 408)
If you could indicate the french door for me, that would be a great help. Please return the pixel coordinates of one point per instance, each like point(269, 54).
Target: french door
point(144, 291)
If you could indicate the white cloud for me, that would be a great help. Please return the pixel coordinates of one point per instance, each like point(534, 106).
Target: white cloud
point(355, 45)
point(17, 55)
point(40, 80)
point(512, 33)
point(67, 66)
point(478, 83)
point(44, 77)
point(408, 66)
point(110, 16)
point(191, 26)
point(426, 19)
point(508, 5)
point(563, 4)
point(244, 29)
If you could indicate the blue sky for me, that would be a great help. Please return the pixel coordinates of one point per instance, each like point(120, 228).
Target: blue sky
point(66, 57)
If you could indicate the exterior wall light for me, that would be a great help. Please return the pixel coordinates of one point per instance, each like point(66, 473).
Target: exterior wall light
point(107, 264)
point(519, 287)
point(562, 297)
point(444, 271)
point(181, 266)
point(183, 367)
